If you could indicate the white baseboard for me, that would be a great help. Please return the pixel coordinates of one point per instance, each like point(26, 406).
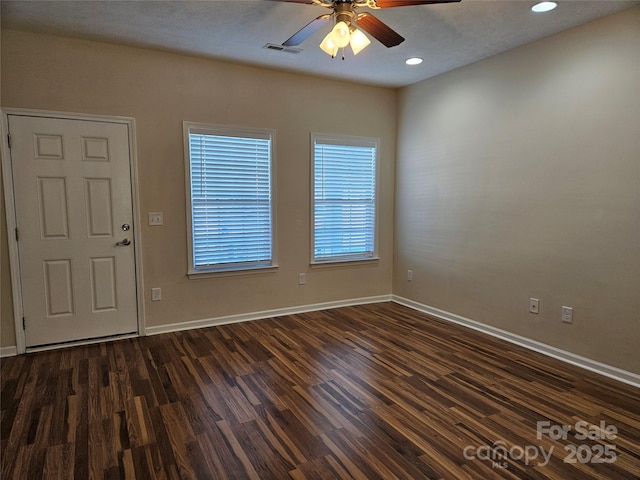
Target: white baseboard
point(568, 357)
point(246, 317)
point(8, 351)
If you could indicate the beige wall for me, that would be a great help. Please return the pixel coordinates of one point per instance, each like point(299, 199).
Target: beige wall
point(160, 90)
point(518, 177)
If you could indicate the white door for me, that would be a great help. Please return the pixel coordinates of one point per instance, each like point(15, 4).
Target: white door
point(74, 215)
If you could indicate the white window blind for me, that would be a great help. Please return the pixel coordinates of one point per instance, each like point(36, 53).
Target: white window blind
point(230, 190)
point(344, 198)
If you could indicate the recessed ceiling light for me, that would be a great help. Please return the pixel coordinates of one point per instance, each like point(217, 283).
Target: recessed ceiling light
point(413, 61)
point(544, 7)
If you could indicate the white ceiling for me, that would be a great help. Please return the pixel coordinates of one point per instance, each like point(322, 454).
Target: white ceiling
point(447, 36)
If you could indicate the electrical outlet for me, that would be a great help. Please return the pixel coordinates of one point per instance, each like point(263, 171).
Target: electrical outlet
point(410, 275)
point(534, 305)
point(156, 218)
point(156, 294)
point(302, 279)
point(567, 314)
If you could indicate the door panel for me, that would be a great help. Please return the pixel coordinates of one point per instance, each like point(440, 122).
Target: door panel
point(103, 284)
point(58, 287)
point(99, 207)
point(72, 188)
point(54, 216)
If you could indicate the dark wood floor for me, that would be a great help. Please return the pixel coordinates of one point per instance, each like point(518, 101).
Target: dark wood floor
point(368, 392)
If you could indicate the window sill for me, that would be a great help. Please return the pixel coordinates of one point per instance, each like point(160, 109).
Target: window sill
point(345, 262)
point(232, 273)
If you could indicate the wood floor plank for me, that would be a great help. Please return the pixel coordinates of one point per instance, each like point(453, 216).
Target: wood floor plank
point(238, 450)
point(182, 440)
point(59, 462)
point(375, 391)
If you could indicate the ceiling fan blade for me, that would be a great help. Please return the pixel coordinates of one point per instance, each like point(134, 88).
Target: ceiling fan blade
point(378, 30)
point(306, 31)
point(408, 3)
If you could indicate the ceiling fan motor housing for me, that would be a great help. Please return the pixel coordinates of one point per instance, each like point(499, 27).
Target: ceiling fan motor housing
point(344, 12)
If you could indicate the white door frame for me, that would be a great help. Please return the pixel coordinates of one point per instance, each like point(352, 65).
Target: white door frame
point(9, 195)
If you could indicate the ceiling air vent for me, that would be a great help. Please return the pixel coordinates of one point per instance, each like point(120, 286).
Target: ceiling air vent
point(282, 48)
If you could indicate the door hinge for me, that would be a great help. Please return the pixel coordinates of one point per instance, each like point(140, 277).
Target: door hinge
point(17, 235)
point(24, 323)
point(9, 140)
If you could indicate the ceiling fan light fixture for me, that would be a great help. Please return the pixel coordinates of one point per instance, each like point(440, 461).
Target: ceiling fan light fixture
point(542, 7)
point(328, 46)
point(359, 41)
point(340, 35)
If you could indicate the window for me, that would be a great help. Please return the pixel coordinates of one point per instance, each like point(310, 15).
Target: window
point(229, 198)
point(344, 198)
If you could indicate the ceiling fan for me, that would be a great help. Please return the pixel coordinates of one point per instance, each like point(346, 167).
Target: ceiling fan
point(348, 24)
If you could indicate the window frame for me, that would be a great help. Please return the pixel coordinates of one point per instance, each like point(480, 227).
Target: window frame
point(234, 131)
point(347, 140)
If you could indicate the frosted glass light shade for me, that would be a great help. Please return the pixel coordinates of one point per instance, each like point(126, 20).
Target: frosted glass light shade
point(328, 46)
point(358, 41)
point(340, 34)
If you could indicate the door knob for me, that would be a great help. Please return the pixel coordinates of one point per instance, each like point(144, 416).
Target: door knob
point(123, 243)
